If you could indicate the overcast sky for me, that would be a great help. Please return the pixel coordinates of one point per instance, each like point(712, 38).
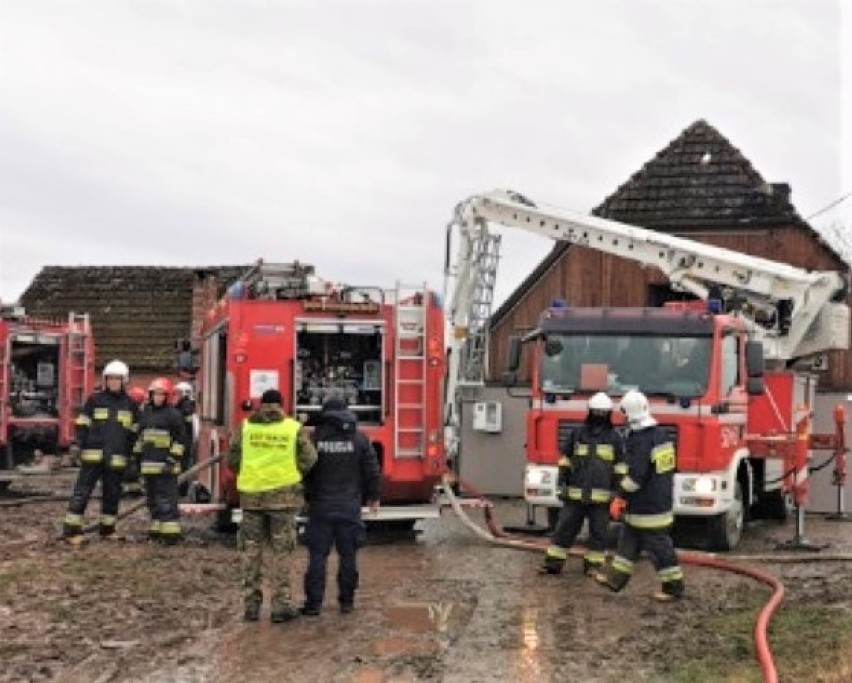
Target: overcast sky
point(342, 133)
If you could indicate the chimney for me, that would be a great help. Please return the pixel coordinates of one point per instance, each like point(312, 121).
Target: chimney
point(780, 191)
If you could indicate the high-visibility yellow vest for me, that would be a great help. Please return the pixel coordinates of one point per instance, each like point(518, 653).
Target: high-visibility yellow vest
point(268, 456)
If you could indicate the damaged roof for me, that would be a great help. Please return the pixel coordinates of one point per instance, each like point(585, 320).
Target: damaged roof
point(698, 181)
point(137, 312)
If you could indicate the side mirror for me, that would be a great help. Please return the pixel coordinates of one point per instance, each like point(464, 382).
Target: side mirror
point(754, 359)
point(510, 379)
point(514, 354)
point(755, 386)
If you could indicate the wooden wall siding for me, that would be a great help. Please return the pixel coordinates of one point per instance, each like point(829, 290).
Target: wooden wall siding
point(588, 278)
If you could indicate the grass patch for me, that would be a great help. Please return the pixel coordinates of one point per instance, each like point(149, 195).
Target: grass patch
point(804, 639)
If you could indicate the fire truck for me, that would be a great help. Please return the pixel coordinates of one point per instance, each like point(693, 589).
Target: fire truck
point(731, 374)
point(381, 350)
point(46, 373)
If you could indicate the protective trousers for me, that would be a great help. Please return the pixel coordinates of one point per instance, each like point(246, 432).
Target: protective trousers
point(658, 544)
point(87, 479)
point(346, 535)
point(162, 500)
point(274, 530)
point(570, 522)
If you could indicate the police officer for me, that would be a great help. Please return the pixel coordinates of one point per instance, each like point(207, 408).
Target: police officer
point(586, 482)
point(647, 486)
point(160, 447)
point(271, 454)
point(106, 432)
point(186, 406)
point(346, 474)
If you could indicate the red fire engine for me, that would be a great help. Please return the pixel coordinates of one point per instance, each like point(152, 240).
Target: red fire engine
point(731, 374)
point(46, 373)
point(282, 327)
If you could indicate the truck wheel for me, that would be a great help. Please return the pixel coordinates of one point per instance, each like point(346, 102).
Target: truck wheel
point(223, 524)
point(726, 529)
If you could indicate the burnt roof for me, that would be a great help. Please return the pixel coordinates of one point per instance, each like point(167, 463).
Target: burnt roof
point(698, 181)
point(137, 312)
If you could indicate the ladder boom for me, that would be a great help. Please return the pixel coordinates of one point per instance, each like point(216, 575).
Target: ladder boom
point(791, 299)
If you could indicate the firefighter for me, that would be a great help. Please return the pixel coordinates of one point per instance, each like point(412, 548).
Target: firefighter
point(346, 474)
point(186, 406)
point(160, 447)
point(270, 453)
point(132, 480)
point(586, 481)
point(646, 482)
point(106, 433)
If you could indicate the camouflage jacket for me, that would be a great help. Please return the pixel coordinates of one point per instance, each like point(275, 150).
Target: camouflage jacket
point(286, 497)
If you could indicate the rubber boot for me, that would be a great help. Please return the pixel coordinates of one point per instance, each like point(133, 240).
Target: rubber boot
point(671, 591)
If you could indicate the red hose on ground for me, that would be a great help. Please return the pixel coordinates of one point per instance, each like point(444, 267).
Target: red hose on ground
point(495, 534)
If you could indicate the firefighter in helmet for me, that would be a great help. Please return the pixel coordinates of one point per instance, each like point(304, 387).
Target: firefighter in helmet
point(646, 482)
point(106, 432)
point(160, 446)
point(586, 482)
point(186, 407)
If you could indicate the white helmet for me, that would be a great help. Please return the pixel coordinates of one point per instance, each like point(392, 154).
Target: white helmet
point(184, 387)
point(600, 402)
point(634, 404)
point(116, 368)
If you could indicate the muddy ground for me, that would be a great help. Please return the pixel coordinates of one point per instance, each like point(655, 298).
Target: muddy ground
point(438, 606)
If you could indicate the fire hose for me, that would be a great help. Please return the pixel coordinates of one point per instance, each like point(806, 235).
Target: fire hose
point(496, 535)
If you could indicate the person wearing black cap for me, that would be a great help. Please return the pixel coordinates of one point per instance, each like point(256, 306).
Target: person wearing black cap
point(346, 474)
point(271, 454)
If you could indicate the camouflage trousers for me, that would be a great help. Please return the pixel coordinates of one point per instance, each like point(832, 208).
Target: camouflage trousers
point(271, 533)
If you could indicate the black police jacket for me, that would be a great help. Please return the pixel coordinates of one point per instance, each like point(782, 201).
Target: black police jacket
point(347, 470)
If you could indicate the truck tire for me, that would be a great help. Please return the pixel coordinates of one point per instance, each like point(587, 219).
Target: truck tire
point(726, 530)
point(223, 524)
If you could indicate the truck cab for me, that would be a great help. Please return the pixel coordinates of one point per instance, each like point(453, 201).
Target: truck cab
point(690, 362)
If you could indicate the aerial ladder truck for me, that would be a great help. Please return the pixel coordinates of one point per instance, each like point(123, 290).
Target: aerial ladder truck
point(730, 374)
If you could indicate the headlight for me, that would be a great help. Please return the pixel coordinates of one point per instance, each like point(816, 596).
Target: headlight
point(700, 485)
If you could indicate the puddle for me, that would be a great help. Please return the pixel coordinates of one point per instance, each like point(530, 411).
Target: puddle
point(410, 647)
point(528, 657)
point(429, 617)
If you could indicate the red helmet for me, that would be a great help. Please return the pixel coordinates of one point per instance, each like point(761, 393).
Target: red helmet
point(161, 384)
point(137, 395)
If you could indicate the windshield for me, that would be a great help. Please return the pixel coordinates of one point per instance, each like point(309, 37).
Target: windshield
point(677, 366)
